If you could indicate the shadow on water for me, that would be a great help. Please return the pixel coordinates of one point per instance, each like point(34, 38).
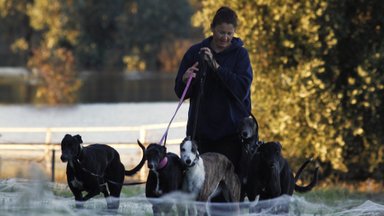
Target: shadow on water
point(39, 197)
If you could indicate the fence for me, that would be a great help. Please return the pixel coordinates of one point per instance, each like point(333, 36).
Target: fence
point(46, 151)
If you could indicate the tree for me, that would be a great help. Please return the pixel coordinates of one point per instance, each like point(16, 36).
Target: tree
point(44, 26)
point(150, 27)
point(305, 54)
point(54, 73)
point(16, 33)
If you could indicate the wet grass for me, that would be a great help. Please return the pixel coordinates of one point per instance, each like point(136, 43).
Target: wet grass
point(334, 194)
point(328, 195)
point(323, 200)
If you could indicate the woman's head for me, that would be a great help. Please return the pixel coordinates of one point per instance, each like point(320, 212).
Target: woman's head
point(224, 15)
point(223, 27)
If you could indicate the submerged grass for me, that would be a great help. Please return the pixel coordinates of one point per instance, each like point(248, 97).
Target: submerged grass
point(333, 194)
point(323, 200)
point(327, 195)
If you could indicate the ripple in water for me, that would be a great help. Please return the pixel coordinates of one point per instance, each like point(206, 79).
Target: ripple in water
point(40, 197)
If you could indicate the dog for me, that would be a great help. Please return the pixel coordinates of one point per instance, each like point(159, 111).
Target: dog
point(208, 174)
point(248, 132)
point(94, 169)
point(270, 176)
point(165, 176)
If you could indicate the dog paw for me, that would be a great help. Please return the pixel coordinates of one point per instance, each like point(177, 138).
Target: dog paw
point(159, 192)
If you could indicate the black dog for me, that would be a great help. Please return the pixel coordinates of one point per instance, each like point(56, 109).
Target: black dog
point(270, 175)
point(248, 132)
point(94, 169)
point(165, 176)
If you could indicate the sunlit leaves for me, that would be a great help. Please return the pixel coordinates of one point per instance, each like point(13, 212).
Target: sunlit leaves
point(134, 63)
point(49, 17)
point(293, 49)
point(20, 44)
point(55, 75)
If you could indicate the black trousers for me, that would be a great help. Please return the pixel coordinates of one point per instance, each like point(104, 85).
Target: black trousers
point(229, 146)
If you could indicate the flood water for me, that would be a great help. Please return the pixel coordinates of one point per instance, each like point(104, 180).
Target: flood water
point(38, 196)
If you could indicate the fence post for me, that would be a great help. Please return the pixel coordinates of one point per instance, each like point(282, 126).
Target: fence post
point(53, 166)
point(48, 140)
point(143, 134)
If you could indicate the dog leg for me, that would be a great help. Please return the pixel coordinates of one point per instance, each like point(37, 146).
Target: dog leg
point(158, 192)
point(79, 203)
point(156, 208)
point(180, 208)
point(192, 209)
point(78, 197)
point(90, 195)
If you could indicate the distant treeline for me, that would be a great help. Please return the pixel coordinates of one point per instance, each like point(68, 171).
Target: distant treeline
point(101, 35)
point(56, 39)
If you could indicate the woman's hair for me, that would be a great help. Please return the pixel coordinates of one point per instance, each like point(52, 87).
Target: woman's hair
point(224, 15)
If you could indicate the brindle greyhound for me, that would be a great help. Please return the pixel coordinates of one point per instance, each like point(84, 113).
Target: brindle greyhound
point(208, 174)
point(94, 169)
point(165, 176)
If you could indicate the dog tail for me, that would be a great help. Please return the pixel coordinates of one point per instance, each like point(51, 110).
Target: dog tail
point(298, 173)
point(140, 165)
point(312, 184)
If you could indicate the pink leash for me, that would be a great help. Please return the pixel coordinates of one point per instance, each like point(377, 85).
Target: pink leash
point(177, 109)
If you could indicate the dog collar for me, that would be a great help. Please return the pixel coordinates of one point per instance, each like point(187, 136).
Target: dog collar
point(163, 162)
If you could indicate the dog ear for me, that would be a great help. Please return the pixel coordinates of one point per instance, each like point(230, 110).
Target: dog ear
point(279, 146)
point(187, 138)
point(164, 149)
point(78, 138)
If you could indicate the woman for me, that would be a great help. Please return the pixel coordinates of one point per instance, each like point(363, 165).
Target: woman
point(228, 76)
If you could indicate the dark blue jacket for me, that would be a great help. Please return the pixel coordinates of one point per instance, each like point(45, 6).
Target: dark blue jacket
point(219, 112)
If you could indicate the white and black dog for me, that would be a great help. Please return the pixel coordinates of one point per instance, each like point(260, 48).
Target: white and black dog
point(94, 169)
point(208, 173)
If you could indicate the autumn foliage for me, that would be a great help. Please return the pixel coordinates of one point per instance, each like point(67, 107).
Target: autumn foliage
point(55, 76)
point(318, 84)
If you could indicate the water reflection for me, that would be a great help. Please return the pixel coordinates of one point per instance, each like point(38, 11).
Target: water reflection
point(38, 197)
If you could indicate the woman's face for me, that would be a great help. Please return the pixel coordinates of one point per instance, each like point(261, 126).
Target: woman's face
point(222, 36)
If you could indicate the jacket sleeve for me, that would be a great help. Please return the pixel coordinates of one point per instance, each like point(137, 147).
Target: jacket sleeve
point(186, 62)
point(240, 79)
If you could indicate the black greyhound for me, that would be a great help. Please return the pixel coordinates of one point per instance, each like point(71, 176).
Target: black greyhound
point(165, 176)
point(249, 136)
point(270, 175)
point(94, 169)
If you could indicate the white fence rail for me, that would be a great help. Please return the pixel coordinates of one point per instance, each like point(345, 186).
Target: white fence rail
point(140, 132)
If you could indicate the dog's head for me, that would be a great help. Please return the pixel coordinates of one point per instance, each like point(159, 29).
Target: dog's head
point(70, 147)
point(154, 154)
point(248, 132)
point(271, 165)
point(188, 152)
point(270, 154)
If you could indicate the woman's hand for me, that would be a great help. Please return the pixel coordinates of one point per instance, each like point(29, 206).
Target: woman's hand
point(191, 70)
point(209, 58)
